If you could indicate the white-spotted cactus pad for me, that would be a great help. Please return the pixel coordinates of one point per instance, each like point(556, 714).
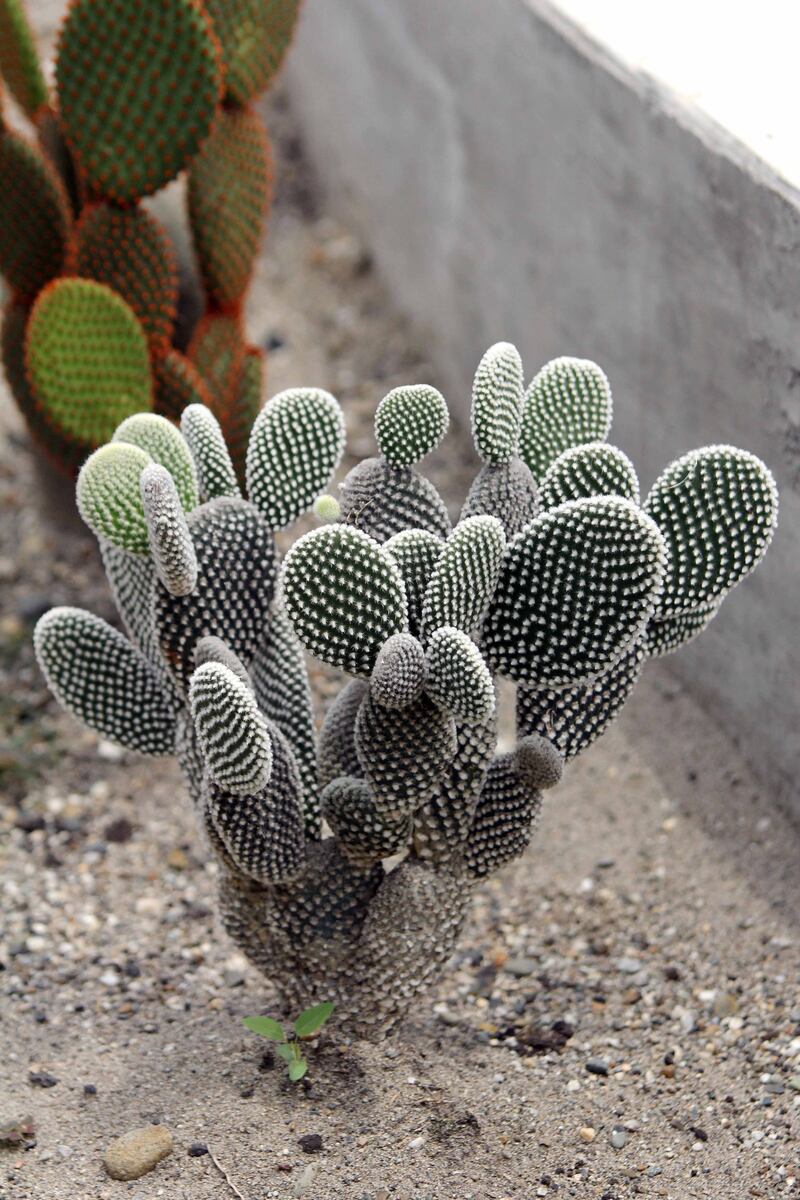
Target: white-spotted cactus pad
point(667, 634)
point(576, 588)
point(171, 545)
point(568, 402)
point(400, 671)
point(203, 435)
point(497, 403)
point(410, 422)
point(416, 552)
point(596, 469)
point(109, 499)
point(295, 446)
point(159, 438)
point(465, 576)
point(458, 678)
point(232, 733)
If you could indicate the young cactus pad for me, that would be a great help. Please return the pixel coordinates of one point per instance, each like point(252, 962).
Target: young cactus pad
point(347, 858)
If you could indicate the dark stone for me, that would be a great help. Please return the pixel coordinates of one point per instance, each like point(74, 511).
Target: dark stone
point(132, 969)
point(699, 1133)
point(29, 822)
point(273, 342)
point(672, 972)
point(597, 1066)
point(118, 831)
point(41, 1079)
point(40, 1018)
point(198, 1149)
point(90, 1089)
point(310, 1143)
point(267, 1061)
point(247, 1092)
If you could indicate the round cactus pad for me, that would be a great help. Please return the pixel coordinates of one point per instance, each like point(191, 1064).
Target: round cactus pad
point(254, 35)
point(138, 85)
point(87, 361)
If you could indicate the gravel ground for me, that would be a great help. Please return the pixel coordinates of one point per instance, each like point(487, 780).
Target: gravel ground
point(623, 1014)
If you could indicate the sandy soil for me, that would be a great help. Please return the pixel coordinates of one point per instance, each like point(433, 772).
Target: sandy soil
point(652, 927)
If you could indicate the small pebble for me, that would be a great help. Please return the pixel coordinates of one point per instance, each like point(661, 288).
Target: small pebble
point(310, 1143)
point(90, 1089)
point(416, 1143)
point(137, 1152)
point(653, 1171)
point(587, 1133)
point(619, 1137)
point(197, 1149)
point(597, 1066)
point(629, 966)
point(520, 967)
point(42, 1079)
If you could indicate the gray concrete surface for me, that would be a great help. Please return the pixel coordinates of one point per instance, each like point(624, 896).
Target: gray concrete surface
point(514, 181)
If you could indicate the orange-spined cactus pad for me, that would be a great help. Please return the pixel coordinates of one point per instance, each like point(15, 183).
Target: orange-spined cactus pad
point(138, 85)
point(19, 62)
point(237, 420)
point(177, 383)
point(255, 35)
point(217, 349)
point(86, 358)
point(229, 189)
point(127, 249)
point(34, 216)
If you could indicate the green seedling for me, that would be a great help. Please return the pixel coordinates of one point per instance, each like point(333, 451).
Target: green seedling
point(290, 1049)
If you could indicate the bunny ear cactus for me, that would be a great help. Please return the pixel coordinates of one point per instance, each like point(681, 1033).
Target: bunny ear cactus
point(144, 92)
point(347, 857)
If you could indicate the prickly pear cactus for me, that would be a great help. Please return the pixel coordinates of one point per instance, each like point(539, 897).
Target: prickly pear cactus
point(347, 856)
point(145, 90)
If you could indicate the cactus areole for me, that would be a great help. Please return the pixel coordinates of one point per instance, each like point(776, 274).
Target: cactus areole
point(347, 856)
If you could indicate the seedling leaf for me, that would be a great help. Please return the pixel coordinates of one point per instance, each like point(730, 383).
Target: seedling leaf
point(266, 1027)
point(297, 1069)
point(286, 1052)
point(312, 1019)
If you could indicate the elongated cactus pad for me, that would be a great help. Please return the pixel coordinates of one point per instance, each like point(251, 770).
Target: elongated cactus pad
point(365, 835)
point(19, 62)
point(87, 359)
point(138, 86)
point(465, 576)
point(409, 423)
point(228, 194)
point(131, 578)
point(128, 250)
point(215, 474)
point(214, 650)
point(34, 216)
point(497, 403)
point(384, 500)
point(567, 403)
point(344, 596)
point(441, 824)
point(217, 349)
point(577, 587)
point(296, 444)
point(508, 492)
point(171, 545)
point(232, 733)
point(458, 678)
point(177, 383)
point(255, 35)
point(595, 469)
point(400, 672)
point(109, 495)
point(416, 552)
point(161, 440)
point(503, 821)
point(403, 752)
point(717, 509)
point(337, 745)
point(670, 633)
point(96, 674)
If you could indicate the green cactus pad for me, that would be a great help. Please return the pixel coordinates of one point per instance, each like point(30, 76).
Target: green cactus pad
point(109, 496)
point(403, 752)
point(232, 733)
point(717, 509)
point(254, 35)
point(497, 403)
point(35, 216)
point(400, 670)
point(572, 718)
point(365, 835)
point(228, 194)
point(218, 350)
point(97, 675)
point(296, 444)
point(162, 441)
point(55, 146)
point(19, 62)
point(416, 552)
point(458, 678)
point(503, 821)
point(138, 86)
point(465, 576)
point(576, 588)
point(664, 636)
point(128, 250)
point(344, 596)
point(596, 469)
point(215, 474)
point(336, 754)
point(177, 383)
point(171, 545)
point(566, 404)
point(384, 500)
point(410, 422)
point(87, 359)
point(506, 491)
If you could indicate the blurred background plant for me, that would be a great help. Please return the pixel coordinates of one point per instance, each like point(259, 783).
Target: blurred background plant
point(102, 319)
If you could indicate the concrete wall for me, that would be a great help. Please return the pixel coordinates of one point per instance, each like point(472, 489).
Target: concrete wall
point(513, 181)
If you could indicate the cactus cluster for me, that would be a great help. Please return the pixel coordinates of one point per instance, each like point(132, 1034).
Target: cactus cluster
point(347, 854)
point(144, 91)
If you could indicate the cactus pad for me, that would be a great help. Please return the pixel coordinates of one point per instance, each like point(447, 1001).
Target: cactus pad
point(669, 634)
point(577, 587)
point(34, 216)
point(364, 834)
point(458, 678)
point(403, 752)
point(508, 492)
point(595, 469)
point(177, 383)
point(232, 733)
point(254, 35)
point(717, 509)
point(409, 423)
point(566, 404)
point(416, 552)
point(384, 500)
point(503, 821)
point(215, 474)
point(497, 403)
point(295, 446)
point(138, 86)
point(465, 576)
point(344, 596)
point(171, 545)
point(87, 359)
point(161, 440)
point(400, 671)
point(128, 250)
point(228, 195)
point(109, 496)
point(19, 62)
